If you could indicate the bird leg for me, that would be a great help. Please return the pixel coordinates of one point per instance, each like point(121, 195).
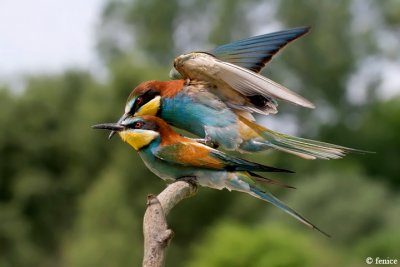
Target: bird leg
point(207, 141)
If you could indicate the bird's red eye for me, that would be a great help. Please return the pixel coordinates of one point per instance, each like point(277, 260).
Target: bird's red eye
point(138, 125)
point(139, 101)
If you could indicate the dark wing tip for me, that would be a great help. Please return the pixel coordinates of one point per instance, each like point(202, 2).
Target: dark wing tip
point(305, 28)
point(265, 168)
point(255, 52)
point(280, 170)
point(263, 179)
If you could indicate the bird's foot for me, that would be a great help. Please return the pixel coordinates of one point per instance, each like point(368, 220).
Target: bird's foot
point(189, 179)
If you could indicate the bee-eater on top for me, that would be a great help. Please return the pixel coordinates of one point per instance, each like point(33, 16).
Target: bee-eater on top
point(218, 92)
point(172, 156)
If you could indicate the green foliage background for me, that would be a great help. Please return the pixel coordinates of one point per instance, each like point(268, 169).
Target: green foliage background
point(69, 197)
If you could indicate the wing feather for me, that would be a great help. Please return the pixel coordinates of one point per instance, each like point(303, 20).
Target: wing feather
point(236, 86)
point(250, 83)
point(193, 154)
point(255, 52)
point(190, 154)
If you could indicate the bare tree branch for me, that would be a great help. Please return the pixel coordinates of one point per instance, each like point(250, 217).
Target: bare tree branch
point(155, 228)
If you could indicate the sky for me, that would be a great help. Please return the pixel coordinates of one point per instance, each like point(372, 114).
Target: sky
point(47, 35)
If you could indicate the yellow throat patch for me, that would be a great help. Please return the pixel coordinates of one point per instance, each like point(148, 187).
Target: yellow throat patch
point(150, 108)
point(138, 138)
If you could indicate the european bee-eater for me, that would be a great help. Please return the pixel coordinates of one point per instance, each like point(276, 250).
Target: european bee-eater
point(216, 99)
point(172, 156)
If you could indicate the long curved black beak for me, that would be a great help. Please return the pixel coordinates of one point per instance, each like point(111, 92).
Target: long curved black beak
point(114, 127)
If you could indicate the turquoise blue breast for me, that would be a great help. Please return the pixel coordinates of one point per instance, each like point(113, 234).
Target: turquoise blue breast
point(196, 111)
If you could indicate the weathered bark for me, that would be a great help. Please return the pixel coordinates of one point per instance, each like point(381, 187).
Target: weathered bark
point(155, 229)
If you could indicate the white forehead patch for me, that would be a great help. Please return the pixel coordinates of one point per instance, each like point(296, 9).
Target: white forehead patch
point(129, 105)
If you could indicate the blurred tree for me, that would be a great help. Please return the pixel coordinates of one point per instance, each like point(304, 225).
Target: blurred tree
point(155, 31)
point(383, 244)
point(377, 131)
point(142, 25)
point(337, 201)
point(43, 145)
point(107, 230)
point(320, 65)
point(231, 244)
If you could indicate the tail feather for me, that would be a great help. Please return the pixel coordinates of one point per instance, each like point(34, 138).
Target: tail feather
point(263, 179)
point(305, 148)
point(266, 196)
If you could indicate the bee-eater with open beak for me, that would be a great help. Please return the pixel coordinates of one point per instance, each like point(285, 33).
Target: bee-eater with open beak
point(172, 156)
point(220, 92)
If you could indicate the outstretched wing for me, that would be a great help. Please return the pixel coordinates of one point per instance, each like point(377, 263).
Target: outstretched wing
point(239, 88)
point(255, 52)
point(231, 70)
point(193, 154)
point(250, 83)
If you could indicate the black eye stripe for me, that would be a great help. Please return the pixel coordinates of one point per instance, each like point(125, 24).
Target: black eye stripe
point(143, 99)
point(137, 125)
point(143, 124)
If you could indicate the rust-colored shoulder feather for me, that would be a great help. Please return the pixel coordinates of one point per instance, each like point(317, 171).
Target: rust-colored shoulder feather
point(183, 150)
point(170, 88)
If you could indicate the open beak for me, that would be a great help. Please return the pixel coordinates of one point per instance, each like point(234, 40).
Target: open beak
point(113, 131)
